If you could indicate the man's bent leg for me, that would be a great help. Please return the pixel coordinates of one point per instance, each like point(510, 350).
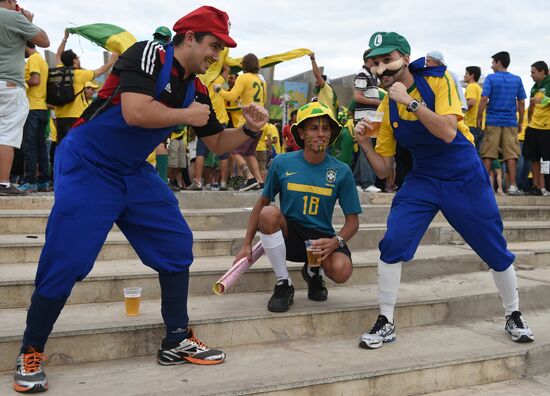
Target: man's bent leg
point(153, 224)
point(471, 208)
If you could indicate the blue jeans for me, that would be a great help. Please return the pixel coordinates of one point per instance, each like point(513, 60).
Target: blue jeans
point(478, 137)
point(34, 147)
point(363, 173)
point(523, 169)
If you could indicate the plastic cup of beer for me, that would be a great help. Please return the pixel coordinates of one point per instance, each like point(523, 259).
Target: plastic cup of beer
point(132, 298)
point(375, 120)
point(313, 254)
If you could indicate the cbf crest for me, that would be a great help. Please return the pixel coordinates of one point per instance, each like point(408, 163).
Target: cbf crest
point(331, 176)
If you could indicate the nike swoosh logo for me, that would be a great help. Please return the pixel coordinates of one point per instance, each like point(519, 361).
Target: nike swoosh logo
point(290, 173)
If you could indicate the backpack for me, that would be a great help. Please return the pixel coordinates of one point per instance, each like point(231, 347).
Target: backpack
point(59, 88)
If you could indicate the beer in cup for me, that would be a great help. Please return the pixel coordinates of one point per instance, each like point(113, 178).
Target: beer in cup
point(313, 254)
point(375, 120)
point(132, 297)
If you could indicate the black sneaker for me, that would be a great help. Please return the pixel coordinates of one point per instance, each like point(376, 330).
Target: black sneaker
point(282, 298)
point(28, 376)
point(518, 329)
point(190, 350)
point(251, 184)
point(537, 192)
point(12, 190)
point(316, 289)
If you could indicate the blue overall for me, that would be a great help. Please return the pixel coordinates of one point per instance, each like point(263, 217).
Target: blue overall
point(447, 177)
point(102, 178)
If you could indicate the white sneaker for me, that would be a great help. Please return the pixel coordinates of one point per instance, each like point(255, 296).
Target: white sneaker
point(513, 190)
point(372, 189)
point(518, 329)
point(359, 189)
point(382, 331)
point(545, 193)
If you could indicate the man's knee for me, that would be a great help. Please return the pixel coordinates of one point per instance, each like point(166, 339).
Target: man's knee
point(339, 269)
point(269, 220)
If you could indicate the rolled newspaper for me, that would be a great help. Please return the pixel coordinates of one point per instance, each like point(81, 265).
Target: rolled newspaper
point(239, 268)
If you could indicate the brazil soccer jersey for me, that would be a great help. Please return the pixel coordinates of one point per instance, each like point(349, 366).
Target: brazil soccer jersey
point(308, 192)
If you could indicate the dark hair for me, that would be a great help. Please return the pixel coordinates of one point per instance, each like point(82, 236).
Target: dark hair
point(475, 70)
point(503, 57)
point(68, 57)
point(324, 77)
point(293, 113)
point(366, 53)
point(160, 37)
point(179, 37)
point(30, 45)
point(250, 63)
point(541, 66)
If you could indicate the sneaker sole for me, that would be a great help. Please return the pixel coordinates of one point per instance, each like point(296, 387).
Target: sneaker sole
point(191, 360)
point(252, 186)
point(523, 339)
point(365, 345)
point(38, 388)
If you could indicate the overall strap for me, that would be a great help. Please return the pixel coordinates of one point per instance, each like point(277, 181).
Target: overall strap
point(419, 71)
point(164, 78)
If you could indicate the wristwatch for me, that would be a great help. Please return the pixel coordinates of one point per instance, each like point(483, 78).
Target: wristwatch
point(341, 242)
point(413, 106)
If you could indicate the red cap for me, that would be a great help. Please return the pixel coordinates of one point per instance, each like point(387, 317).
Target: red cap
point(207, 19)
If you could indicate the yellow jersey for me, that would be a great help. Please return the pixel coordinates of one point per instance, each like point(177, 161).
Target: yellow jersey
point(473, 91)
point(218, 104)
point(327, 97)
point(540, 119)
point(249, 88)
point(446, 103)
point(37, 94)
point(77, 106)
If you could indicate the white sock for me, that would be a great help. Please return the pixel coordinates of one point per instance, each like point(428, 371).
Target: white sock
point(275, 250)
point(507, 285)
point(318, 270)
point(389, 277)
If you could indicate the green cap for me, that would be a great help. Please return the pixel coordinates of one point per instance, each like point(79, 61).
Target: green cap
point(164, 31)
point(385, 42)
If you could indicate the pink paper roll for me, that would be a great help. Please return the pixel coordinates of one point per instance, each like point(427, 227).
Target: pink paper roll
point(239, 268)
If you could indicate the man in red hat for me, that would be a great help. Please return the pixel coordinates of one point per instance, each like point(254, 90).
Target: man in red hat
point(103, 178)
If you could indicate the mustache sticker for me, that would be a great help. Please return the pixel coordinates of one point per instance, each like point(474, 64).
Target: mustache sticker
point(387, 69)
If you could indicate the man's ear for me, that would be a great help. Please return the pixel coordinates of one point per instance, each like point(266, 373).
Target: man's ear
point(189, 37)
point(301, 133)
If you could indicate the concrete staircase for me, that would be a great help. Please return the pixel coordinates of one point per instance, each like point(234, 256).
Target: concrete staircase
point(449, 316)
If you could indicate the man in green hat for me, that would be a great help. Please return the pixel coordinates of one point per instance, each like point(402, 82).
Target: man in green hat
point(309, 182)
point(422, 113)
point(162, 35)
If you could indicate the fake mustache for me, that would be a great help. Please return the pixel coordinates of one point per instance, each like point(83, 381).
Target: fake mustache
point(387, 70)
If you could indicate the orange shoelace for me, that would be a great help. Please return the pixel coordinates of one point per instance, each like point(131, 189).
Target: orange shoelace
point(32, 360)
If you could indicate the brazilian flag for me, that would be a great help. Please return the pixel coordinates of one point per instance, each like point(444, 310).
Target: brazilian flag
point(235, 63)
point(111, 37)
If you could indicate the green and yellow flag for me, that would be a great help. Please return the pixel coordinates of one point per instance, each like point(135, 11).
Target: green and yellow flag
point(235, 63)
point(111, 37)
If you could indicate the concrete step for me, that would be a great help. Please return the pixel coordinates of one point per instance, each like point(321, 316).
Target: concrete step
point(423, 359)
point(108, 278)
point(538, 385)
point(33, 221)
point(231, 199)
point(241, 319)
point(20, 248)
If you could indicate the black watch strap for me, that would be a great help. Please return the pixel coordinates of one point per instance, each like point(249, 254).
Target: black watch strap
point(249, 132)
